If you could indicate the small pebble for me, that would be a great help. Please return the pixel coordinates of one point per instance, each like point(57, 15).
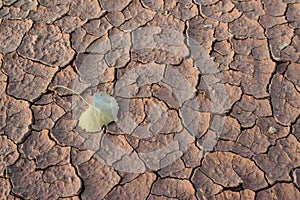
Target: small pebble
point(187, 5)
point(167, 12)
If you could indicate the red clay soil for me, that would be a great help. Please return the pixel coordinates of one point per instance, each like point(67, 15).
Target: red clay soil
point(208, 94)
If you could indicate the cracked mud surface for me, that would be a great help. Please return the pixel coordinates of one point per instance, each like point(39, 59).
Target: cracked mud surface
point(209, 96)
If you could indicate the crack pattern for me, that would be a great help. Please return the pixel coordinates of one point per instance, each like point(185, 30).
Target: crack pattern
point(209, 95)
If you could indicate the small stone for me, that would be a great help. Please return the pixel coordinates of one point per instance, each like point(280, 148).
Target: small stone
point(187, 5)
point(167, 12)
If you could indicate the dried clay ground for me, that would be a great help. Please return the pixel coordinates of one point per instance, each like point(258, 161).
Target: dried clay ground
point(208, 93)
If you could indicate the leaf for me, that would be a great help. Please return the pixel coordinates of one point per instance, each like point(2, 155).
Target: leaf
point(103, 111)
point(272, 130)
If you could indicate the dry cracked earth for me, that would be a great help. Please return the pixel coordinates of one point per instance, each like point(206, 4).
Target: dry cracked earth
point(209, 96)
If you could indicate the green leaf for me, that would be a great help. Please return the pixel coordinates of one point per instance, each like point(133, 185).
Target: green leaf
point(103, 111)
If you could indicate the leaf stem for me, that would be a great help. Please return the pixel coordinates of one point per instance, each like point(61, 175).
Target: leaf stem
point(73, 91)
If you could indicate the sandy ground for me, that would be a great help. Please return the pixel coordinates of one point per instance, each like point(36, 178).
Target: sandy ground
point(208, 94)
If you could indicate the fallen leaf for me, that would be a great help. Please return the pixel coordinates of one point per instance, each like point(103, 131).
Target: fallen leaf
point(102, 111)
point(272, 130)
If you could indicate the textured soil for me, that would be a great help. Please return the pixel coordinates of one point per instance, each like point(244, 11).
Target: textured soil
point(208, 90)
